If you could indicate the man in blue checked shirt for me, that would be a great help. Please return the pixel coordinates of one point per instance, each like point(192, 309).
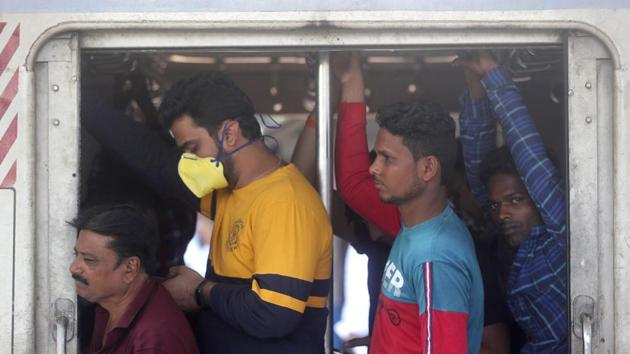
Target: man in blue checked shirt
point(521, 192)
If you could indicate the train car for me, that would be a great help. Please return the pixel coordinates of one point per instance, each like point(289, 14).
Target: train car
point(571, 59)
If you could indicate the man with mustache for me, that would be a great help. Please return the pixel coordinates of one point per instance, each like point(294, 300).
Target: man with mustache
point(114, 254)
point(520, 188)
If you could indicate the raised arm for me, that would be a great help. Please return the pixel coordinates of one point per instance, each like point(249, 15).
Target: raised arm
point(352, 162)
point(305, 151)
point(477, 134)
point(528, 151)
point(141, 149)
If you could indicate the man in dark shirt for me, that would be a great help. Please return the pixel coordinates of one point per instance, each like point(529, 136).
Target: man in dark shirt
point(115, 250)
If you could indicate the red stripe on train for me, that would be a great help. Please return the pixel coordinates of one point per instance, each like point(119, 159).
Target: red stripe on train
point(8, 139)
point(6, 98)
point(9, 94)
point(9, 180)
point(9, 49)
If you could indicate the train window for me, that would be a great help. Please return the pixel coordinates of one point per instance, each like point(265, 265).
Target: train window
point(283, 88)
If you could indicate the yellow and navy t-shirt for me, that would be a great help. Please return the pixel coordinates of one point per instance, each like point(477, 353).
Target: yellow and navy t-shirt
point(271, 257)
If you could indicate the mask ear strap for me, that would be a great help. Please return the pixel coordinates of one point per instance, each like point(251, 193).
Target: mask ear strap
point(264, 118)
point(222, 155)
point(275, 145)
point(270, 123)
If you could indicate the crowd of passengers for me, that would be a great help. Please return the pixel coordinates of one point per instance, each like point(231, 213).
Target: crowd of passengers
point(474, 254)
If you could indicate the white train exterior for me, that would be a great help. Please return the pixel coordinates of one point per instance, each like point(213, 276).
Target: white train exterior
point(40, 46)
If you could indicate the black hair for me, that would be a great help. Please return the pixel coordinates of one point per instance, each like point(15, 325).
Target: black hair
point(426, 128)
point(497, 161)
point(132, 231)
point(210, 99)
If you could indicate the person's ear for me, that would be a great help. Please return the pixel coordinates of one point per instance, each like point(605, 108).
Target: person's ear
point(428, 168)
point(132, 267)
point(232, 132)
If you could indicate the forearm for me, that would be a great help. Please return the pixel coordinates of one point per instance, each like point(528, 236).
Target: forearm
point(354, 182)
point(141, 149)
point(304, 154)
point(242, 308)
point(352, 90)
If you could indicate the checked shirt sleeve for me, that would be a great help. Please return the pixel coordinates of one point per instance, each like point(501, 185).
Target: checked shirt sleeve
point(536, 170)
point(478, 137)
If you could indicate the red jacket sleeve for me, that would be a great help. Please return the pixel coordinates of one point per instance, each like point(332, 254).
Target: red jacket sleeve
point(352, 163)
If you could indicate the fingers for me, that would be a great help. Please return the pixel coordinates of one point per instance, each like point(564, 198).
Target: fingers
point(174, 271)
point(340, 62)
point(347, 66)
point(480, 62)
point(357, 342)
point(466, 64)
point(487, 61)
point(354, 61)
point(460, 62)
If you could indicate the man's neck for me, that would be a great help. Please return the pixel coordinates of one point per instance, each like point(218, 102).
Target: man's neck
point(253, 163)
point(117, 305)
point(422, 208)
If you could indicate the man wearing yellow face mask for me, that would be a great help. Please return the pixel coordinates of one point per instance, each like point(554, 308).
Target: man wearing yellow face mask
point(267, 282)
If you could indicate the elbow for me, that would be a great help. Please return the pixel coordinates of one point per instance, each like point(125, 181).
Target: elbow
point(342, 191)
point(342, 184)
point(274, 324)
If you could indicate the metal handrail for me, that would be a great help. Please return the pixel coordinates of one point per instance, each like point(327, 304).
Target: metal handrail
point(587, 333)
point(62, 329)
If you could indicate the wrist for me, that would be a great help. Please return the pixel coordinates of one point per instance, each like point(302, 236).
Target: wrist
point(202, 297)
point(352, 90)
point(311, 122)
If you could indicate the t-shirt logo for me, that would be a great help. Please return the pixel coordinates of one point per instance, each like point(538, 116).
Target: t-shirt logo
point(392, 279)
point(235, 233)
point(394, 317)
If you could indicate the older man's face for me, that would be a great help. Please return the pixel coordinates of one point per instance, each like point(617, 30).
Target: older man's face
point(96, 271)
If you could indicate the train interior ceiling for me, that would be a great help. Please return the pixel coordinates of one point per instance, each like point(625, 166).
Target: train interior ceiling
point(282, 85)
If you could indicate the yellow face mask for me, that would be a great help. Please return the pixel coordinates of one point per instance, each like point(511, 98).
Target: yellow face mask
point(201, 175)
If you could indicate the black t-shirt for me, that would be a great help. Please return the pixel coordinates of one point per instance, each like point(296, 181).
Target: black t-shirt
point(495, 260)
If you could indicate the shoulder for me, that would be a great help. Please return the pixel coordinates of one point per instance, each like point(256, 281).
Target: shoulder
point(288, 187)
point(454, 236)
point(163, 327)
point(159, 310)
point(445, 233)
point(289, 180)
